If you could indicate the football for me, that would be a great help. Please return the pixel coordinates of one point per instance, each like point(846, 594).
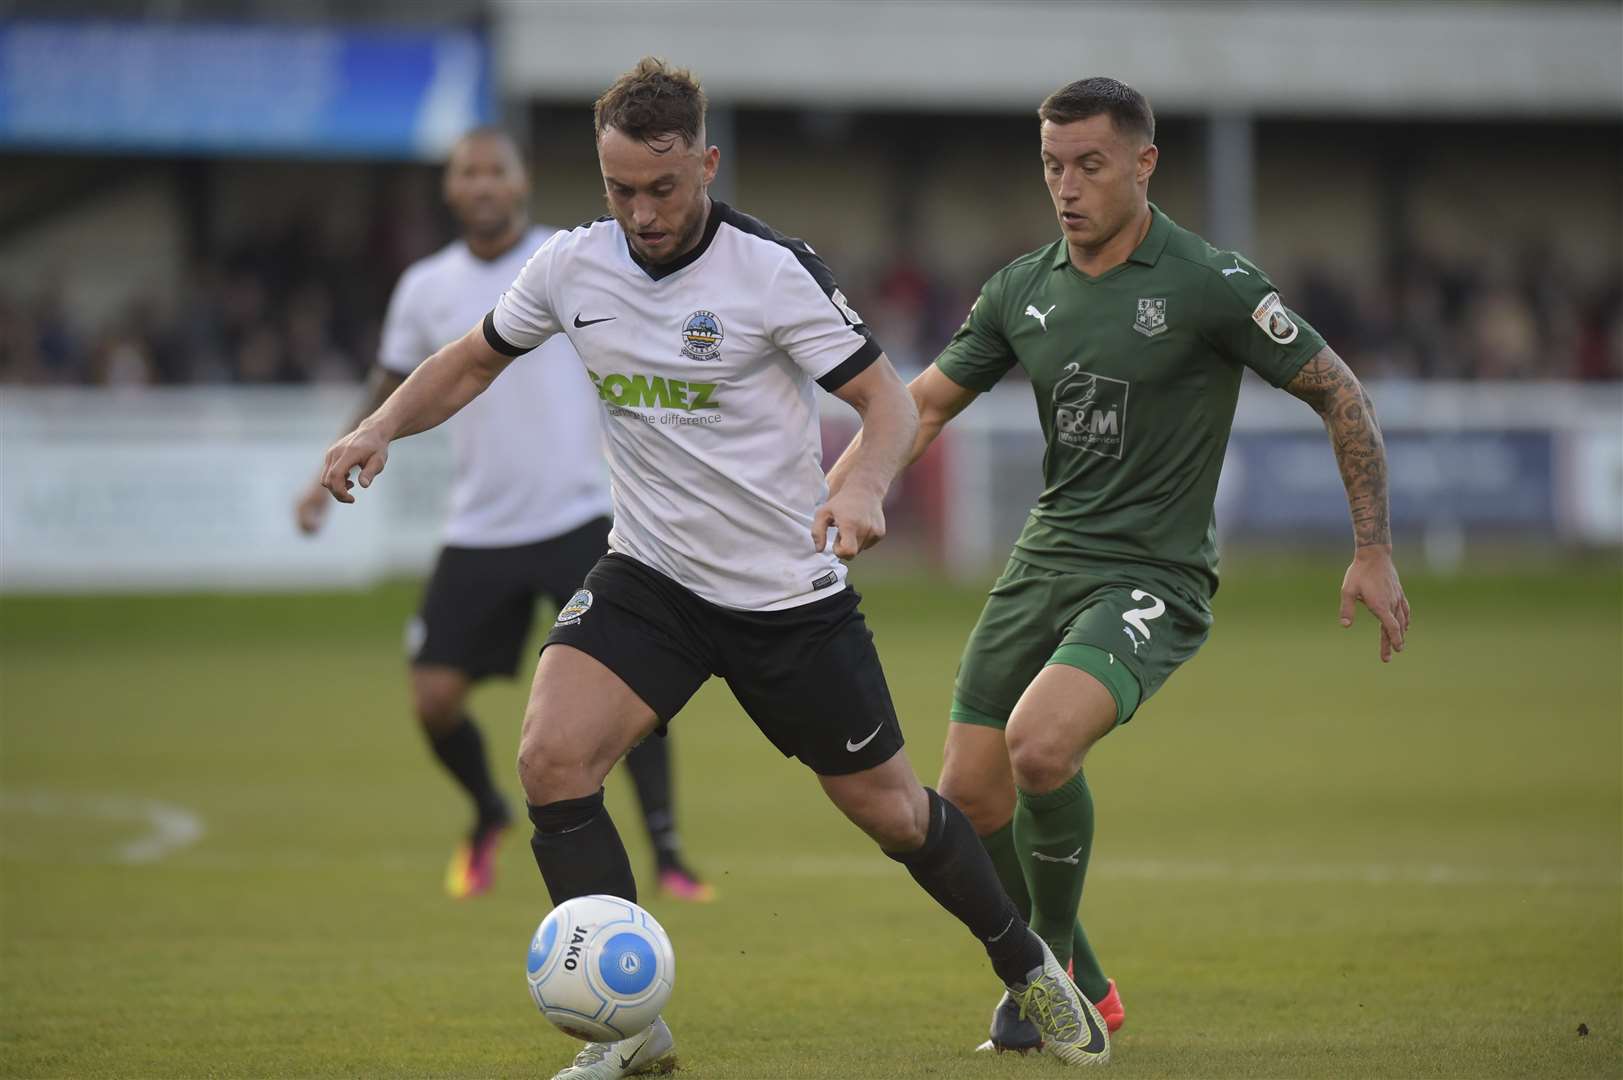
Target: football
point(600, 968)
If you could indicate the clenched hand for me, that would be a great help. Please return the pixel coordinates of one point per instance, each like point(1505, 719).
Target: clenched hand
point(362, 448)
point(858, 518)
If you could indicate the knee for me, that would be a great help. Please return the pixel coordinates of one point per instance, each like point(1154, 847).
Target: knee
point(988, 802)
point(543, 767)
point(896, 820)
point(437, 701)
point(542, 773)
point(1041, 758)
point(976, 780)
point(553, 766)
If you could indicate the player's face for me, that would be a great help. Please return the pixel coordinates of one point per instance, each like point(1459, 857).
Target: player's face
point(656, 190)
point(1097, 176)
point(485, 185)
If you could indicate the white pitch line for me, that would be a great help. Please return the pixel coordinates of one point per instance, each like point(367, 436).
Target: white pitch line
point(1215, 870)
point(169, 827)
point(1355, 873)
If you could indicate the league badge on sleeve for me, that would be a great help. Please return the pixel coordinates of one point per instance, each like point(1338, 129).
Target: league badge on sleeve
point(1152, 317)
point(1275, 320)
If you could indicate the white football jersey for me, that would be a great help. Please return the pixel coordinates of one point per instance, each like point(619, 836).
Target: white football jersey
point(528, 461)
point(704, 369)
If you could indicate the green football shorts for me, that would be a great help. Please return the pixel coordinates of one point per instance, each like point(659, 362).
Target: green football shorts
point(1129, 625)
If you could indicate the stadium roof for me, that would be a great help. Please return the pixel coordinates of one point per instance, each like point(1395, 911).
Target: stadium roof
point(1375, 59)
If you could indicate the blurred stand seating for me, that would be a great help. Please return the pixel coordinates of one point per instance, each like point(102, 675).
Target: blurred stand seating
point(272, 312)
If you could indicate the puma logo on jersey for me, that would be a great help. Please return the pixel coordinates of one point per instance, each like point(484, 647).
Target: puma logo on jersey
point(653, 391)
point(1236, 269)
point(1041, 316)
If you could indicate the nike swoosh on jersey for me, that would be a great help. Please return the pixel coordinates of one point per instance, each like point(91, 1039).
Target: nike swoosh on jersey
point(855, 746)
point(581, 324)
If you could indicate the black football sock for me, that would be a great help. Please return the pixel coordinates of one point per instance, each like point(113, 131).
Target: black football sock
point(462, 751)
point(999, 845)
point(579, 851)
point(954, 868)
point(650, 766)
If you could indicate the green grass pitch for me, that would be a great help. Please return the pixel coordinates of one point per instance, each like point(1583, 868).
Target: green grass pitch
point(1307, 864)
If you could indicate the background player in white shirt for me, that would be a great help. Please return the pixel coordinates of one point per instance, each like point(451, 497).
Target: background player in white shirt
point(516, 531)
point(703, 330)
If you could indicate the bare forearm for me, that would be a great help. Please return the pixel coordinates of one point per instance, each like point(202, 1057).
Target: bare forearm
point(380, 383)
point(929, 427)
point(889, 422)
point(881, 449)
point(440, 386)
point(924, 435)
point(936, 400)
point(1361, 457)
point(1336, 394)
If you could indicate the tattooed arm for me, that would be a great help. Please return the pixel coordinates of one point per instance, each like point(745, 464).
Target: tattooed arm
point(1333, 390)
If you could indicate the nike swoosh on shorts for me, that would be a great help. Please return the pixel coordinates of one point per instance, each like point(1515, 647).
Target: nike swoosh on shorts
point(855, 746)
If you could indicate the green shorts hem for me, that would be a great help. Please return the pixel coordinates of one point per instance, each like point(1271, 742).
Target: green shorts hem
point(964, 713)
point(1122, 683)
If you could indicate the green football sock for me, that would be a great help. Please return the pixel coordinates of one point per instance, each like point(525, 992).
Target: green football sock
point(1053, 836)
point(1000, 845)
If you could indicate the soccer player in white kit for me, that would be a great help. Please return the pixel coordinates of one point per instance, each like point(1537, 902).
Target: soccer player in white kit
point(703, 331)
point(515, 531)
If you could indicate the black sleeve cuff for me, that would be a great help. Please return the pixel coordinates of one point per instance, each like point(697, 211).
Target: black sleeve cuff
point(495, 341)
point(851, 367)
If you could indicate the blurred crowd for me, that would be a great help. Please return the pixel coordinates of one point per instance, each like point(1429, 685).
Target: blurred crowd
point(280, 310)
point(1434, 317)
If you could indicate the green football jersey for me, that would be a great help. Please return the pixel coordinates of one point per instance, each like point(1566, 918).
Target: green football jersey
point(1136, 374)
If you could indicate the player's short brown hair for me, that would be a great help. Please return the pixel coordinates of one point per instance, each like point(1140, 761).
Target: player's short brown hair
point(653, 101)
point(1129, 110)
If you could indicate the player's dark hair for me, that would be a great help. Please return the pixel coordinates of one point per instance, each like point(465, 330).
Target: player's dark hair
point(653, 101)
point(1129, 110)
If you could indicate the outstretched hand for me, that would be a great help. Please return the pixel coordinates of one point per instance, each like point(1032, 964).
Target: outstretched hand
point(857, 518)
point(1373, 581)
point(362, 448)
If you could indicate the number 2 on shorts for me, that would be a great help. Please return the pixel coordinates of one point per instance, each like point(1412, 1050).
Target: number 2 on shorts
point(1138, 617)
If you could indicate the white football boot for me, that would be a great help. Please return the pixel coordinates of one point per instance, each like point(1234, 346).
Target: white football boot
point(1011, 1031)
point(1071, 1027)
point(649, 1051)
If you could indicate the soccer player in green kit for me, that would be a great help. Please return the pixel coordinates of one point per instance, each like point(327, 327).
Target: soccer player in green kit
point(1134, 333)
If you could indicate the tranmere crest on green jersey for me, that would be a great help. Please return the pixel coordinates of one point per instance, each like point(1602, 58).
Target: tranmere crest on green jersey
point(1136, 374)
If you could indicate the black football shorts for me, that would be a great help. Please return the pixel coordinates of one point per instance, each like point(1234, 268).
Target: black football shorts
point(808, 676)
point(480, 602)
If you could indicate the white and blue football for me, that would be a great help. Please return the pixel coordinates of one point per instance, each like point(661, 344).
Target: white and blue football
point(600, 968)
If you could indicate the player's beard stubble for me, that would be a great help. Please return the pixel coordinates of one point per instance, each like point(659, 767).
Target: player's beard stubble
point(685, 241)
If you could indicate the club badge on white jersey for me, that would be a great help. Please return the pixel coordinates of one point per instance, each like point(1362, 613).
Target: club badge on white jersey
point(702, 336)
